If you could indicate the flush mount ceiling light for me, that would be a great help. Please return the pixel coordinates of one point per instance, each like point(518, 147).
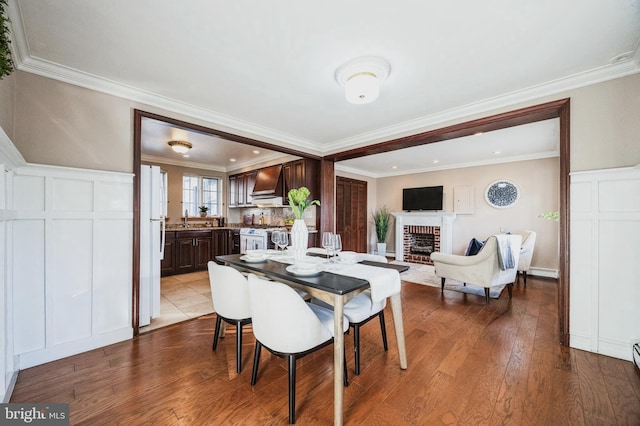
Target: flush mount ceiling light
point(180, 146)
point(361, 78)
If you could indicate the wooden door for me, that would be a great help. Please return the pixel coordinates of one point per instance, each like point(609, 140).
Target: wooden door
point(351, 213)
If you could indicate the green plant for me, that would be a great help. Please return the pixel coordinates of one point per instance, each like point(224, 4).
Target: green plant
point(550, 215)
point(6, 63)
point(298, 200)
point(381, 219)
point(203, 209)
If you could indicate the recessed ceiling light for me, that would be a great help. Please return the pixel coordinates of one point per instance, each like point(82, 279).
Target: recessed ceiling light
point(436, 161)
point(478, 133)
point(255, 151)
point(394, 167)
point(185, 156)
point(496, 152)
point(233, 160)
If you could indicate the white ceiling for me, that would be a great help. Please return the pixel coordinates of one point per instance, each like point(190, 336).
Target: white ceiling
point(265, 70)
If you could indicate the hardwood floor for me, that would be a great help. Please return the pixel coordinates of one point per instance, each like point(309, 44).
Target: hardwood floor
point(469, 364)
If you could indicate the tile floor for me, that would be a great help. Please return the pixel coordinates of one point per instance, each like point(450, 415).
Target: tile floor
point(182, 297)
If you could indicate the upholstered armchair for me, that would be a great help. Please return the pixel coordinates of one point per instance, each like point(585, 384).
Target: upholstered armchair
point(526, 253)
point(483, 269)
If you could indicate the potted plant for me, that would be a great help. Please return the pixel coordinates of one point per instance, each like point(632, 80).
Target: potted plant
point(203, 210)
point(381, 219)
point(6, 63)
point(299, 201)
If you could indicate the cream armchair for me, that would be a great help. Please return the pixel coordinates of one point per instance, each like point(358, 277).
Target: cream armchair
point(526, 253)
point(482, 269)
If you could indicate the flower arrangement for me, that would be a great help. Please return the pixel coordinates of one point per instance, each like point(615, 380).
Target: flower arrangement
point(298, 200)
point(381, 219)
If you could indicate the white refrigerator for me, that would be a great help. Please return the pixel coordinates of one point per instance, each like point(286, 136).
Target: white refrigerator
point(152, 230)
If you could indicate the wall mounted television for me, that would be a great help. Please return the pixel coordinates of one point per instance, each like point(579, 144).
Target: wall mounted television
point(425, 198)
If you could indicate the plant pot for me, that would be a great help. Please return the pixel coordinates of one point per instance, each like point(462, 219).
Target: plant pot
point(382, 249)
point(299, 239)
point(203, 214)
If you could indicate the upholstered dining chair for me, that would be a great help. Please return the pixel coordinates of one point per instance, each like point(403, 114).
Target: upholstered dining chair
point(483, 269)
point(230, 295)
point(362, 309)
point(526, 253)
point(288, 327)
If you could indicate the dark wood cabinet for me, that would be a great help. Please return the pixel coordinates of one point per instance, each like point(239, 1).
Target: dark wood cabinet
point(302, 172)
point(351, 213)
point(240, 189)
point(235, 241)
point(167, 264)
point(189, 251)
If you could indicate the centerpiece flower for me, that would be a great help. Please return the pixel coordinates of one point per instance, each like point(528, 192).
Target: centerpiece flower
point(298, 200)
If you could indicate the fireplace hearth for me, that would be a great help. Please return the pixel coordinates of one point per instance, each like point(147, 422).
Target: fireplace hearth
point(418, 234)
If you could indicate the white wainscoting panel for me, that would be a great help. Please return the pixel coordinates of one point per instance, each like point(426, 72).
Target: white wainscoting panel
point(72, 261)
point(605, 250)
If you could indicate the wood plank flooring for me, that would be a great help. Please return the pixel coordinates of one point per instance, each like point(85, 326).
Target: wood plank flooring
point(469, 364)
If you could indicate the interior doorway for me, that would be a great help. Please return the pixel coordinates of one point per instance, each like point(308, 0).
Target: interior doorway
point(351, 213)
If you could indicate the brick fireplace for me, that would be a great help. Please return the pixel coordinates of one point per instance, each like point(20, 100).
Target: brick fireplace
point(418, 242)
point(418, 234)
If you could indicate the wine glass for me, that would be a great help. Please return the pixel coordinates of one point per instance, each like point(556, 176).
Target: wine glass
point(327, 243)
point(275, 238)
point(337, 244)
point(284, 240)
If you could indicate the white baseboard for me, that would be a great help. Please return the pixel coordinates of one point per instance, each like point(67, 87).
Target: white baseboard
point(543, 272)
point(9, 391)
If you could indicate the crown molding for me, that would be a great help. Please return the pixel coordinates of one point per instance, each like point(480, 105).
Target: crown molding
point(25, 62)
point(10, 157)
point(587, 78)
point(512, 159)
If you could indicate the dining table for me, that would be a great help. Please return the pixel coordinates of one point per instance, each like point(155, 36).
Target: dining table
point(335, 288)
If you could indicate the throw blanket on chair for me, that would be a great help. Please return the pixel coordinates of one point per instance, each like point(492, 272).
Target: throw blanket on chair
point(505, 257)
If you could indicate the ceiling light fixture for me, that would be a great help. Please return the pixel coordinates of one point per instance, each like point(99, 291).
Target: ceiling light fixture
point(361, 78)
point(180, 147)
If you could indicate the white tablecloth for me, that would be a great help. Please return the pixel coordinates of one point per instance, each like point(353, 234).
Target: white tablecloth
point(384, 282)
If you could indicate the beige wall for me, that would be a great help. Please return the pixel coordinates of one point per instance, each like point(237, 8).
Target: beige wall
point(7, 98)
point(174, 187)
point(60, 124)
point(538, 181)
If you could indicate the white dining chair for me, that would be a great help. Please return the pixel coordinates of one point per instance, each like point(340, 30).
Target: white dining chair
point(230, 295)
point(288, 327)
point(362, 309)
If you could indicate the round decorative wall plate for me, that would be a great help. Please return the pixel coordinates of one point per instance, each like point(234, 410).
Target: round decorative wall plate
point(502, 194)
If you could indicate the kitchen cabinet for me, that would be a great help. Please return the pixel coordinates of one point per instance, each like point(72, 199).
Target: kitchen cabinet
point(302, 172)
point(235, 241)
point(167, 264)
point(222, 242)
point(240, 189)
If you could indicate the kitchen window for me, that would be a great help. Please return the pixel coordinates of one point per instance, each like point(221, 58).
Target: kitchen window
point(201, 191)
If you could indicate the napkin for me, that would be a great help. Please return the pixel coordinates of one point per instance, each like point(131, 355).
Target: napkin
point(384, 282)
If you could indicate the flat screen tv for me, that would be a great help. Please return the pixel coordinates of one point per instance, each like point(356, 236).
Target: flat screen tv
point(425, 198)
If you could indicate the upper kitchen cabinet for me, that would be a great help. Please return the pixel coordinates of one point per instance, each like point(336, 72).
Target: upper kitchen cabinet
point(302, 172)
point(240, 189)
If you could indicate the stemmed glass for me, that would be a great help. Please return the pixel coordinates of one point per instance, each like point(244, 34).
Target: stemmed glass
point(337, 244)
point(283, 241)
point(275, 238)
point(327, 242)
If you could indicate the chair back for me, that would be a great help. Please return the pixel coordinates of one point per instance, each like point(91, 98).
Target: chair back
point(526, 252)
point(372, 257)
point(229, 292)
point(508, 276)
point(282, 320)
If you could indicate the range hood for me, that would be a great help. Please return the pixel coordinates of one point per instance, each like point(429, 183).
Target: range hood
point(268, 184)
point(268, 202)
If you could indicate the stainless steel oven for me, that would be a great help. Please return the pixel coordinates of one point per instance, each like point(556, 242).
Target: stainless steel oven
point(253, 239)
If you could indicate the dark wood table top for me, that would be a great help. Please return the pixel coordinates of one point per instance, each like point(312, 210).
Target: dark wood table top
point(325, 281)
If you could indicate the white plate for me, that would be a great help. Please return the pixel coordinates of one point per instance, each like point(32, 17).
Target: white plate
point(306, 272)
point(253, 259)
